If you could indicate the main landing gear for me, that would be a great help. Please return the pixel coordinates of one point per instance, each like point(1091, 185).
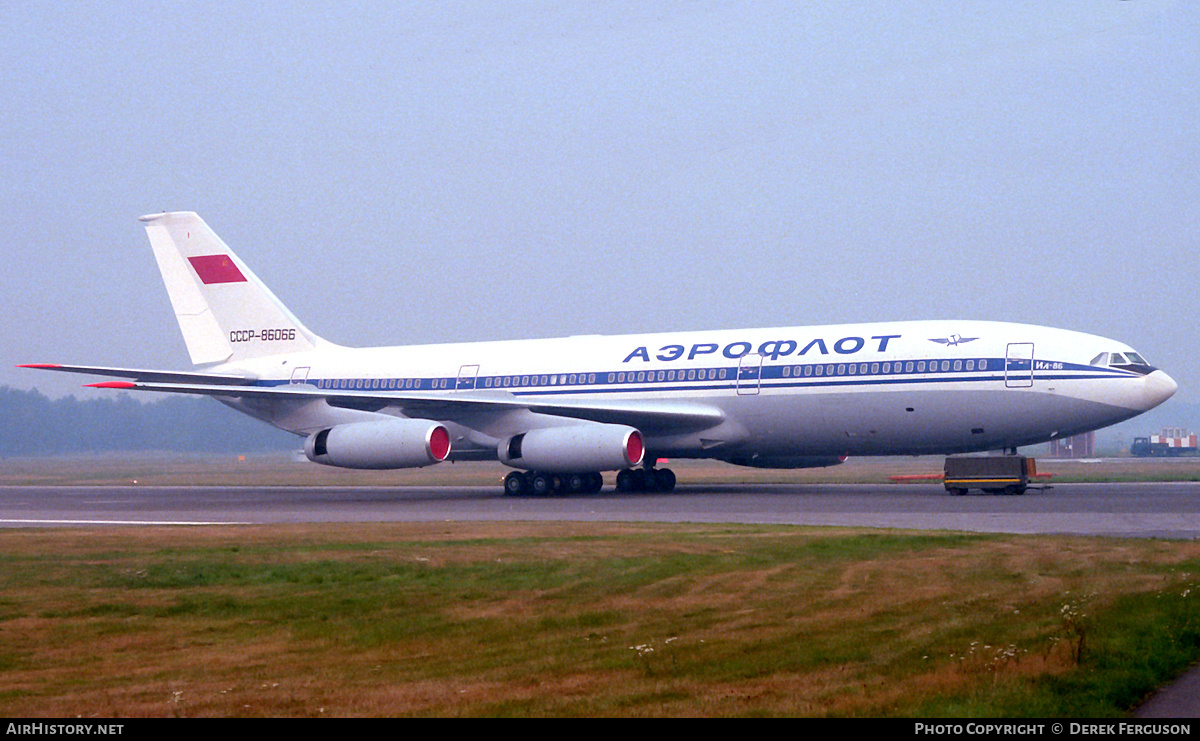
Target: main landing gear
point(538, 484)
point(646, 479)
point(541, 484)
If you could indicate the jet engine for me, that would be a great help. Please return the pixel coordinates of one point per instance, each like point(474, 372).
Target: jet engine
point(387, 443)
point(588, 447)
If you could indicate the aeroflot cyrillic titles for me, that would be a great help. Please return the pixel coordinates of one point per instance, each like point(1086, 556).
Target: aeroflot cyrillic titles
point(771, 349)
point(562, 411)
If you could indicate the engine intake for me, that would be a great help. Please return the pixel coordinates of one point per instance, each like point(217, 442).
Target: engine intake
point(577, 448)
point(387, 443)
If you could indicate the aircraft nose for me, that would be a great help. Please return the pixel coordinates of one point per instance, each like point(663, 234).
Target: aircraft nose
point(1157, 388)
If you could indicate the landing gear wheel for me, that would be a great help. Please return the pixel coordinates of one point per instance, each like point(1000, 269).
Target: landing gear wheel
point(514, 484)
point(625, 480)
point(664, 480)
point(542, 485)
point(645, 480)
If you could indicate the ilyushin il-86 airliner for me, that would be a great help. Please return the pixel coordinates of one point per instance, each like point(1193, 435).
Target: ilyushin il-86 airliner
point(561, 412)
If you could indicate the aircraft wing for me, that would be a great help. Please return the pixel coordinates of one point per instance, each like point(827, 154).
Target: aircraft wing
point(644, 414)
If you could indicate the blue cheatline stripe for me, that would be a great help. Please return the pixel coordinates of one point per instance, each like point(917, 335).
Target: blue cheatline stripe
point(869, 373)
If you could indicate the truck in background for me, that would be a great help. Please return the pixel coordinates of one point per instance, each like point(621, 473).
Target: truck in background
point(1173, 442)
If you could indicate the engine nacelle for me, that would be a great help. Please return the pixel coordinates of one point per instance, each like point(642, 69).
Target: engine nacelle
point(574, 449)
point(387, 443)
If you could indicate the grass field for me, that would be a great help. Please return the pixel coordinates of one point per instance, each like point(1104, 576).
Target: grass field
point(578, 619)
point(572, 619)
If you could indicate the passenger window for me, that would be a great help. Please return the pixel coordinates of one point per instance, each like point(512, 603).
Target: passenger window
point(957, 365)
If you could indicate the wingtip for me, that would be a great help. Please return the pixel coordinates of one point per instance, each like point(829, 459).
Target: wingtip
point(40, 366)
point(111, 385)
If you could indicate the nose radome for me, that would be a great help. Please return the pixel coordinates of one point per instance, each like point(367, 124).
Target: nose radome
point(1158, 388)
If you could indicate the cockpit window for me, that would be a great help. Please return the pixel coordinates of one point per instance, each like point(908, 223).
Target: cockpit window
point(1126, 361)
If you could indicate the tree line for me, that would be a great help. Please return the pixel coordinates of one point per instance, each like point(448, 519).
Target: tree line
point(33, 424)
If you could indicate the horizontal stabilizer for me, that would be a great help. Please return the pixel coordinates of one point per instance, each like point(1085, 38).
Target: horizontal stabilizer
point(142, 374)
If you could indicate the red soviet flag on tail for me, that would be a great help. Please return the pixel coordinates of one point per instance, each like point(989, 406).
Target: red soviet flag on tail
point(216, 269)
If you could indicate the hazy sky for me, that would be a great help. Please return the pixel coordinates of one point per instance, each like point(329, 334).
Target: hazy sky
point(429, 172)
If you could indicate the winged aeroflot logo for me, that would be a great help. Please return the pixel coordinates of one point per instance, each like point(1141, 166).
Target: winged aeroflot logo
point(953, 340)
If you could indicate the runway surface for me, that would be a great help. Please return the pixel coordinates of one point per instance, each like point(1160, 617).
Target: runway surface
point(1164, 510)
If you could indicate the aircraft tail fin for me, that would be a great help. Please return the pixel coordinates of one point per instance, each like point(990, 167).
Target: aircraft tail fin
point(225, 312)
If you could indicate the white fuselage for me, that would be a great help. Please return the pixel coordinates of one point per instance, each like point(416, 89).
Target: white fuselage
point(922, 387)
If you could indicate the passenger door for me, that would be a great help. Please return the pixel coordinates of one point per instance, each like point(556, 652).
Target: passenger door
point(749, 374)
point(466, 378)
point(1018, 365)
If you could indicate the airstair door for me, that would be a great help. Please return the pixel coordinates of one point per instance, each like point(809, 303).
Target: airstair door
point(749, 374)
point(1018, 365)
point(466, 378)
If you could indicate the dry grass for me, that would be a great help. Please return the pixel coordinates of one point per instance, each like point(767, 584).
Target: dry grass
point(450, 619)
